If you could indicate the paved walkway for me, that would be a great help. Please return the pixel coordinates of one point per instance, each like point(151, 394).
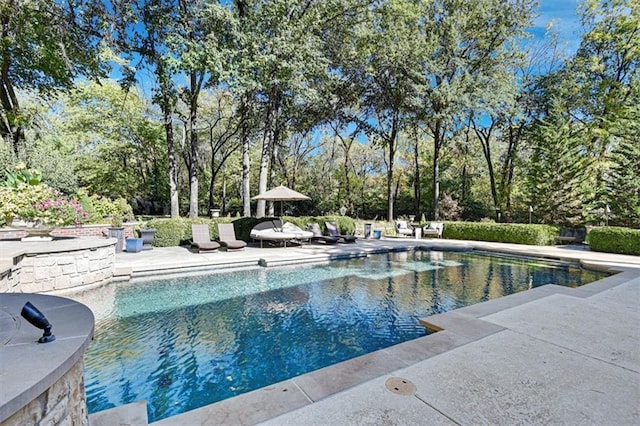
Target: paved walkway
point(551, 355)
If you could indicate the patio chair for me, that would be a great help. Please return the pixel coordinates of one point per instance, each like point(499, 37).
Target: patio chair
point(201, 239)
point(334, 231)
point(403, 229)
point(227, 237)
point(318, 236)
point(434, 229)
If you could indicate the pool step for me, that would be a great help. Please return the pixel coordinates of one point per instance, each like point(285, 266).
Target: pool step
point(134, 414)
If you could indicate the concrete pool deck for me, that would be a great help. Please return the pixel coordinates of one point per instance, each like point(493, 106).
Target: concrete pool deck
point(551, 355)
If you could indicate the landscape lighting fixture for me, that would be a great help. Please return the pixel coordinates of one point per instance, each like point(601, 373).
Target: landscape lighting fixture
point(37, 319)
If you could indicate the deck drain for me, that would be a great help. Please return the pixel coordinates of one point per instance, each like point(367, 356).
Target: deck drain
point(400, 386)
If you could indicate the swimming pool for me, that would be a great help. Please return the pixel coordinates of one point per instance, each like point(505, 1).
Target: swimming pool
point(185, 343)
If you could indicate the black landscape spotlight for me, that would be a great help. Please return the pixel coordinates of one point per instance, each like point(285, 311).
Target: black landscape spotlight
point(37, 319)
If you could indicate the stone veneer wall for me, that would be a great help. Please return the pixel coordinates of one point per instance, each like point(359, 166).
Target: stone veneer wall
point(56, 265)
point(64, 403)
point(37, 273)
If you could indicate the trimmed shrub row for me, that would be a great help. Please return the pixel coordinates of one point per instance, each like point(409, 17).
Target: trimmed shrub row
point(516, 233)
point(175, 232)
point(612, 239)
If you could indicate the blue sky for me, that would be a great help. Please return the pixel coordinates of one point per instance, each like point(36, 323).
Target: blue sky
point(563, 18)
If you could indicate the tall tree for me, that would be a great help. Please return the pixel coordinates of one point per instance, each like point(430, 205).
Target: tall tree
point(383, 57)
point(468, 49)
point(45, 45)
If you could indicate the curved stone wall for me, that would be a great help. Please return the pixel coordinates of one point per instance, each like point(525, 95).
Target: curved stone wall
point(40, 267)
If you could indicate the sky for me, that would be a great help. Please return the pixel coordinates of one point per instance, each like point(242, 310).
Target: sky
point(562, 16)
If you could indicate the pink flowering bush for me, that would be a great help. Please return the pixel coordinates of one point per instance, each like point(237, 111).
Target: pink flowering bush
point(40, 204)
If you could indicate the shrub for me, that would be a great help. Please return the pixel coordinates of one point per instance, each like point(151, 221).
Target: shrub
point(100, 207)
point(175, 232)
point(169, 232)
point(39, 203)
point(501, 233)
point(615, 240)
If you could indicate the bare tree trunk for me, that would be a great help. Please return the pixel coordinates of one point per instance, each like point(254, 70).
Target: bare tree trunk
point(210, 203)
point(417, 189)
point(223, 201)
point(392, 143)
point(265, 157)
point(10, 127)
point(484, 136)
point(193, 148)
point(437, 145)
point(246, 165)
point(173, 163)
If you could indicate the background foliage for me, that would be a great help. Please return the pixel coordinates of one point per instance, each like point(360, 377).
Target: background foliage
point(388, 108)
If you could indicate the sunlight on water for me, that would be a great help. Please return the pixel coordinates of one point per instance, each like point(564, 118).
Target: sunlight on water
point(184, 343)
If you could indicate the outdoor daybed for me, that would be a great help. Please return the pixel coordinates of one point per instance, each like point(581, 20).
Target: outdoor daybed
point(301, 235)
point(270, 231)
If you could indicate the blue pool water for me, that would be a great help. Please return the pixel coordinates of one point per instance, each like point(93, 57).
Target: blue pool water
point(184, 343)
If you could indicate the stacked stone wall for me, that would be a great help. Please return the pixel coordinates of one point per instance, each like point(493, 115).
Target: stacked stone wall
point(64, 403)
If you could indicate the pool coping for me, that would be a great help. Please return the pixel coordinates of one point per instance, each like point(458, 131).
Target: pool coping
point(459, 327)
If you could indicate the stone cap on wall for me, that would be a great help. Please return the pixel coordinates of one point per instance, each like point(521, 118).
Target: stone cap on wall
point(29, 368)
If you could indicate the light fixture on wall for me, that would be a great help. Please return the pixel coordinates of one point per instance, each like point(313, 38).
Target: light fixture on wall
point(37, 319)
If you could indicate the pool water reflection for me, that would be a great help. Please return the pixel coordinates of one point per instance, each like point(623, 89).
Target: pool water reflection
point(184, 343)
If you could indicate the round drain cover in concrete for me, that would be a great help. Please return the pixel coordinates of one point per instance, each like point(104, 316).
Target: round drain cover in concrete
point(400, 386)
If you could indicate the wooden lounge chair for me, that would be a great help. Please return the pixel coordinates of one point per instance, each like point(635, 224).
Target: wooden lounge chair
point(201, 239)
point(334, 231)
point(227, 237)
point(318, 236)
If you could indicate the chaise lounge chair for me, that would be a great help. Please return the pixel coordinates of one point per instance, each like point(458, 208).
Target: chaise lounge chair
point(318, 236)
point(269, 230)
point(227, 237)
point(201, 239)
point(334, 231)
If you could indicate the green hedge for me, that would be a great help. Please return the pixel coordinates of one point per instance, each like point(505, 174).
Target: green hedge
point(516, 233)
point(611, 239)
point(174, 232)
